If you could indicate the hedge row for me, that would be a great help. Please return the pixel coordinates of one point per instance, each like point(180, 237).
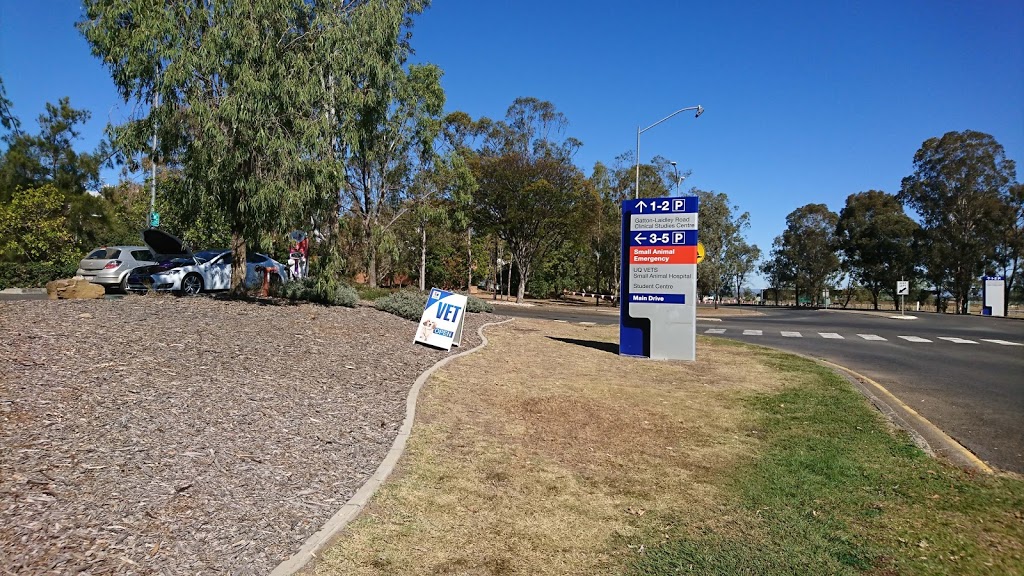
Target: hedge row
point(409, 304)
point(321, 291)
point(33, 274)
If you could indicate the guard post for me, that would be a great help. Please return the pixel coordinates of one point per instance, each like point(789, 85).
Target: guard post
point(658, 278)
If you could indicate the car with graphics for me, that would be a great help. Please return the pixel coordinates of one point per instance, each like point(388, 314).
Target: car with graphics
point(182, 271)
point(109, 266)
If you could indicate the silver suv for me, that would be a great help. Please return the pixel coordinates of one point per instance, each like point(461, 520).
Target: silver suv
point(110, 265)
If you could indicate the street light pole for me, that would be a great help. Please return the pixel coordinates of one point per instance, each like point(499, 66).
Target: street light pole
point(676, 168)
point(639, 131)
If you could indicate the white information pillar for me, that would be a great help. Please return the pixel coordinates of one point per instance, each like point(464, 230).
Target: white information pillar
point(658, 312)
point(994, 296)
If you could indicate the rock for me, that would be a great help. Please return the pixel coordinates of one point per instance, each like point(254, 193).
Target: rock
point(73, 289)
point(86, 315)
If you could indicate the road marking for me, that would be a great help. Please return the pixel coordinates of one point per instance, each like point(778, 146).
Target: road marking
point(915, 339)
point(1002, 342)
point(715, 331)
point(872, 337)
point(562, 321)
point(588, 323)
point(751, 332)
point(957, 340)
point(792, 334)
point(831, 335)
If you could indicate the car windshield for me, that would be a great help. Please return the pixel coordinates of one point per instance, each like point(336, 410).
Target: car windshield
point(207, 255)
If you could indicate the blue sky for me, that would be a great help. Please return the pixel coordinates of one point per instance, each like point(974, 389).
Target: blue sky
point(805, 101)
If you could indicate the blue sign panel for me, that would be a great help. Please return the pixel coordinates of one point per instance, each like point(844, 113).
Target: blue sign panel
point(687, 204)
point(663, 238)
point(658, 298)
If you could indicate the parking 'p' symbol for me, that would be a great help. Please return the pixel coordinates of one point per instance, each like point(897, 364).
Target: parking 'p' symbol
point(678, 205)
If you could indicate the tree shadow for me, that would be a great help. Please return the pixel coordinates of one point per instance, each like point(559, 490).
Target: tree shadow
point(596, 345)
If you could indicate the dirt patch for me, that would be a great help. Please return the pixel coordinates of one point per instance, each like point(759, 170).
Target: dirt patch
point(533, 455)
point(168, 435)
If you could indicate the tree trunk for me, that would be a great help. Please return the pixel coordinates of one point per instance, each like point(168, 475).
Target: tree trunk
point(497, 273)
point(524, 273)
point(508, 283)
point(423, 257)
point(238, 268)
point(371, 258)
point(874, 297)
point(469, 259)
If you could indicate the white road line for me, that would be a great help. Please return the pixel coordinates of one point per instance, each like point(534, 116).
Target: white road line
point(588, 323)
point(915, 339)
point(751, 332)
point(715, 331)
point(957, 340)
point(872, 337)
point(1002, 342)
point(831, 335)
point(792, 334)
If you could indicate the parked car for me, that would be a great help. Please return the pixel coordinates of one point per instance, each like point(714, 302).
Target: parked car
point(110, 265)
point(179, 270)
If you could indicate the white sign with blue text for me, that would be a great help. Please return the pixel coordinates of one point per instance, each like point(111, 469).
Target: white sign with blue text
point(441, 323)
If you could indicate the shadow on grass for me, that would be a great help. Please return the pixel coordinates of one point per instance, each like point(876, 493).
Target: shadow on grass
point(596, 345)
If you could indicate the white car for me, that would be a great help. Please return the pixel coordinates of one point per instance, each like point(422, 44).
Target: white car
point(179, 270)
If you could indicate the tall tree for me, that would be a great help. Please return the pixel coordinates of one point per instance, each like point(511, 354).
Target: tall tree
point(810, 248)
point(8, 121)
point(721, 233)
point(251, 95)
point(956, 189)
point(529, 189)
point(877, 241)
point(743, 261)
point(1009, 251)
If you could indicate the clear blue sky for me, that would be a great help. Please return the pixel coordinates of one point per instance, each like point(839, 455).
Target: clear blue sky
point(805, 101)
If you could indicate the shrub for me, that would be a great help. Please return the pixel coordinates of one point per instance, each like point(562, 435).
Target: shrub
point(407, 304)
point(474, 304)
point(33, 274)
point(321, 291)
point(368, 293)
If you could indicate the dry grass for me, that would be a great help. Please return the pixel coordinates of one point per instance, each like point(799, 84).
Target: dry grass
point(536, 455)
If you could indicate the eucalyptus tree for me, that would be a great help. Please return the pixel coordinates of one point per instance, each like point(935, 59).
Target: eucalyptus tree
point(251, 95)
point(877, 240)
point(809, 247)
point(529, 189)
point(721, 233)
point(8, 121)
point(743, 259)
point(957, 189)
point(397, 126)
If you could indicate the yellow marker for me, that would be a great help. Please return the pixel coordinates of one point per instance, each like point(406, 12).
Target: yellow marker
point(700, 252)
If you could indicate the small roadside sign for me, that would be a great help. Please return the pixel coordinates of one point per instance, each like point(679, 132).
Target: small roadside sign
point(902, 288)
point(700, 252)
point(441, 323)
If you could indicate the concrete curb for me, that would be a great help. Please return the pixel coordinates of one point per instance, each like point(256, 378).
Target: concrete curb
point(315, 543)
point(23, 291)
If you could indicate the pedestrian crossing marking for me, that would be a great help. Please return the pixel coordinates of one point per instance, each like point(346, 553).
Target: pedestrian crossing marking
point(792, 334)
point(715, 331)
point(830, 335)
point(1002, 342)
point(751, 332)
point(874, 337)
point(915, 339)
point(957, 340)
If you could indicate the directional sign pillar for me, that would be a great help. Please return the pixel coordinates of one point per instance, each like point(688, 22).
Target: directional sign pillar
point(658, 311)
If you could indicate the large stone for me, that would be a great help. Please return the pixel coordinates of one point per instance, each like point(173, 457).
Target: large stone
point(73, 289)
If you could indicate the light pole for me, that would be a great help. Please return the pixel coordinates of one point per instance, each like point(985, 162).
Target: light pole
point(698, 108)
point(676, 168)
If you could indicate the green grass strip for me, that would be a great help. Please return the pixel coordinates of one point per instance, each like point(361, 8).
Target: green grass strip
point(834, 491)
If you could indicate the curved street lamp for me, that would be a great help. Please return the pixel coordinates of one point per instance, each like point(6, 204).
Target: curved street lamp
point(698, 108)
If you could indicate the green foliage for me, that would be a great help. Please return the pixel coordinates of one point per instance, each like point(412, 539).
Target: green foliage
point(408, 304)
point(804, 256)
point(957, 188)
point(33, 227)
point(369, 293)
point(727, 255)
point(877, 240)
point(320, 291)
point(477, 306)
point(530, 192)
point(33, 274)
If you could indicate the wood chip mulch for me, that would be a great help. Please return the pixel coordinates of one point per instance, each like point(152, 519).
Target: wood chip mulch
point(162, 435)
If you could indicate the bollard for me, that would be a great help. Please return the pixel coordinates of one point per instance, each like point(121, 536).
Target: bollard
point(265, 292)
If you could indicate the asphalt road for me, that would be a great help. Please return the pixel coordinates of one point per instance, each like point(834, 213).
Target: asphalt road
point(970, 388)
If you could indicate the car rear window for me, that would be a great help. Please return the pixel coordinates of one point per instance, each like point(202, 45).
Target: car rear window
point(104, 254)
point(142, 255)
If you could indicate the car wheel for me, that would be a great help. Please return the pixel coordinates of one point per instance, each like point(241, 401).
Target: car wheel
point(124, 284)
point(191, 284)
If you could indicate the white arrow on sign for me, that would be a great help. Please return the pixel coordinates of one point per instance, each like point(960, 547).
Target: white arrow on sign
point(640, 238)
point(903, 288)
point(641, 205)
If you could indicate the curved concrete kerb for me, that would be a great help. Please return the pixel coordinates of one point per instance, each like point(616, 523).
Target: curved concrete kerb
point(355, 505)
